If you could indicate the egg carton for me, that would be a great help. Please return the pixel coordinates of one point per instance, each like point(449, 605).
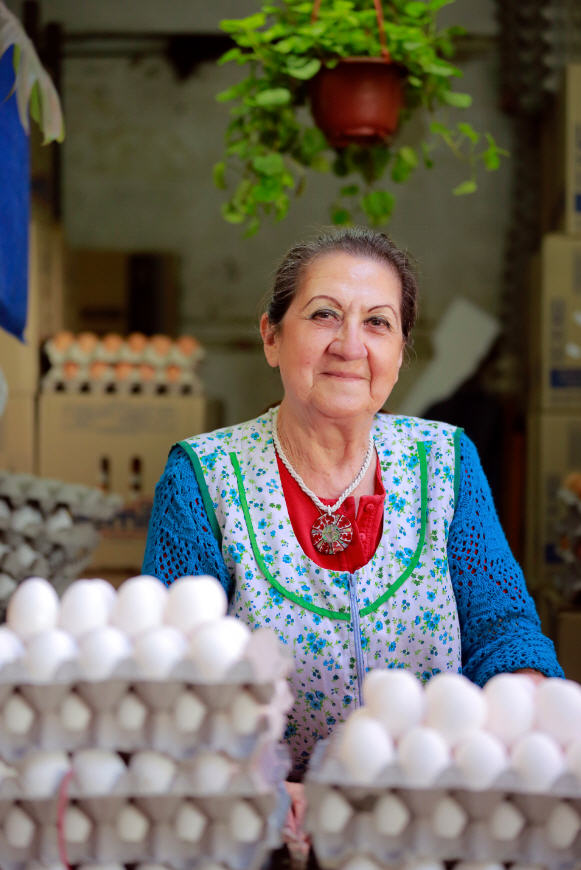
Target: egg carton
point(181, 383)
point(180, 830)
point(47, 495)
point(137, 349)
point(391, 819)
point(178, 718)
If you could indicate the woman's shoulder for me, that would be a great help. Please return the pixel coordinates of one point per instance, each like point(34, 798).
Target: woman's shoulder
point(416, 428)
point(229, 437)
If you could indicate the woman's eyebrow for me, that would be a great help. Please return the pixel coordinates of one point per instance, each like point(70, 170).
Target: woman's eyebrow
point(322, 296)
point(384, 305)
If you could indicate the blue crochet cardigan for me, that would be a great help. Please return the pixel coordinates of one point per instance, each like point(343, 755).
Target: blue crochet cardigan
point(499, 625)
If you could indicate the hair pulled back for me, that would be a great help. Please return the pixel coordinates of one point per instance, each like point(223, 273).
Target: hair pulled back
point(357, 241)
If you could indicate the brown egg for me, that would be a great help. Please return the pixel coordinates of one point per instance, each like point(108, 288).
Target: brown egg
point(70, 370)
point(63, 340)
point(112, 342)
point(98, 371)
point(87, 342)
point(173, 374)
point(161, 344)
point(123, 371)
point(146, 372)
point(188, 345)
point(137, 342)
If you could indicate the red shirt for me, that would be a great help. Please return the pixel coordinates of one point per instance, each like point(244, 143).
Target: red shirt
point(367, 525)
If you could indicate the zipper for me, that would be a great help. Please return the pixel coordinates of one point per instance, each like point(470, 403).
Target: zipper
point(359, 664)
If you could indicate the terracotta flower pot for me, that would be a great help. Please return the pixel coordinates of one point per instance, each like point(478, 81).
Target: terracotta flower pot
point(358, 101)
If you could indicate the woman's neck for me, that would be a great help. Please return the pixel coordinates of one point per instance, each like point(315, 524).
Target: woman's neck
point(326, 453)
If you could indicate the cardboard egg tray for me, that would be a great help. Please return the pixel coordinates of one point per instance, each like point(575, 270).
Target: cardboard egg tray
point(473, 841)
point(122, 351)
point(186, 384)
point(155, 833)
point(99, 721)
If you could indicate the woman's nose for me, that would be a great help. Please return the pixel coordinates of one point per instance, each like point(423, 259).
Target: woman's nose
point(348, 342)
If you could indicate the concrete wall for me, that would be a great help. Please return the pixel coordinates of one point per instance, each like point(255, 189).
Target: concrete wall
point(137, 165)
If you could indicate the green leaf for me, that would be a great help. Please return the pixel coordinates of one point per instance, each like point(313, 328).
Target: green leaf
point(219, 175)
point(404, 164)
point(349, 190)
point(428, 162)
point(340, 216)
point(441, 68)
point(437, 4)
point(415, 81)
point(251, 228)
point(304, 69)
point(378, 205)
point(273, 98)
point(269, 164)
point(459, 101)
point(469, 131)
point(232, 54)
point(439, 129)
point(465, 188)
point(415, 9)
point(236, 25)
point(231, 214)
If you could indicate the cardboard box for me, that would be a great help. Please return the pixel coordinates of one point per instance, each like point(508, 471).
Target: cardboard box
point(18, 434)
point(119, 291)
point(555, 335)
point(569, 643)
point(120, 443)
point(21, 362)
point(561, 158)
point(554, 450)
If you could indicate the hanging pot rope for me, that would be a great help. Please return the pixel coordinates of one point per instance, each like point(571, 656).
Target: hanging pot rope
point(380, 25)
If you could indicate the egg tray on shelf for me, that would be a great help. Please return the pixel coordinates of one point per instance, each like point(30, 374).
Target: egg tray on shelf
point(179, 828)
point(130, 382)
point(446, 822)
point(177, 717)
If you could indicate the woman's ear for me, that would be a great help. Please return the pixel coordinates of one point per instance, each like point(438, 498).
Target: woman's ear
point(269, 334)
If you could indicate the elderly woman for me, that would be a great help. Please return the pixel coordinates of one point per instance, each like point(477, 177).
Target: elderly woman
point(365, 540)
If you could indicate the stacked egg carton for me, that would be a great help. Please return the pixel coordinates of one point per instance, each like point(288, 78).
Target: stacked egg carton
point(114, 364)
point(139, 726)
point(48, 528)
point(451, 773)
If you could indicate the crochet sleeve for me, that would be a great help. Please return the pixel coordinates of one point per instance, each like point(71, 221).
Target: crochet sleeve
point(180, 541)
point(499, 625)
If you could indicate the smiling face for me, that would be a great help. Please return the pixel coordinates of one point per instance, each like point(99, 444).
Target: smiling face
point(340, 345)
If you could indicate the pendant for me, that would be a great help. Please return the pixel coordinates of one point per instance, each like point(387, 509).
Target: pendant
point(331, 534)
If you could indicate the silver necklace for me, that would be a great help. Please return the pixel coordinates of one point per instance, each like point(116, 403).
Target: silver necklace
point(331, 534)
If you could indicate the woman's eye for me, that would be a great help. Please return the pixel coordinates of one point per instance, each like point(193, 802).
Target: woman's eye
point(324, 314)
point(379, 323)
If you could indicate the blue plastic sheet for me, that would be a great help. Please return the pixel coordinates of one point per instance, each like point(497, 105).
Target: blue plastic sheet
point(14, 207)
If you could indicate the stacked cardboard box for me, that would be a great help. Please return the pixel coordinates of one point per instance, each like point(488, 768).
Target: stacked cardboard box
point(554, 423)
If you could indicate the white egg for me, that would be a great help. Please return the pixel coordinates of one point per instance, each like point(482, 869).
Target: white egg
point(454, 706)
point(573, 758)
point(391, 815)
point(74, 714)
point(101, 651)
point(11, 647)
point(558, 708)
point(19, 828)
point(212, 772)
point(152, 771)
point(33, 608)
point(245, 822)
point(481, 758)
point(449, 818)
point(189, 712)
point(538, 760)
point(506, 822)
point(77, 825)
point(194, 600)
point(97, 771)
point(245, 713)
point(42, 771)
point(132, 824)
point(216, 646)
point(563, 825)
point(189, 823)
point(423, 754)
point(510, 707)
point(46, 653)
point(17, 715)
point(361, 862)
point(333, 812)
point(396, 698)
point(131, 712)
point(139, 606)
point(364, 747)
point(159, 650)
point(86, 605)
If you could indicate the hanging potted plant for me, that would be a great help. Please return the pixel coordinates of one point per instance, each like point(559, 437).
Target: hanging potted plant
point(295, 112)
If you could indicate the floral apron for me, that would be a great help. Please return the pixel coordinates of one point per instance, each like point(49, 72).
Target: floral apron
point(398, 610)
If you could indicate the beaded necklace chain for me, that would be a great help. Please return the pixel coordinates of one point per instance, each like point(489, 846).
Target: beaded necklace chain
point(331, 534)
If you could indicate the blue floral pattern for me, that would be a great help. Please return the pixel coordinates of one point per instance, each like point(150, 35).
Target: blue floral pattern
point(416, 627)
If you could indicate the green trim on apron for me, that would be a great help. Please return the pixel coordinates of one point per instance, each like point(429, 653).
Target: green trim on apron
point(457, 464)
point(307, 605)
point(204, 492)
